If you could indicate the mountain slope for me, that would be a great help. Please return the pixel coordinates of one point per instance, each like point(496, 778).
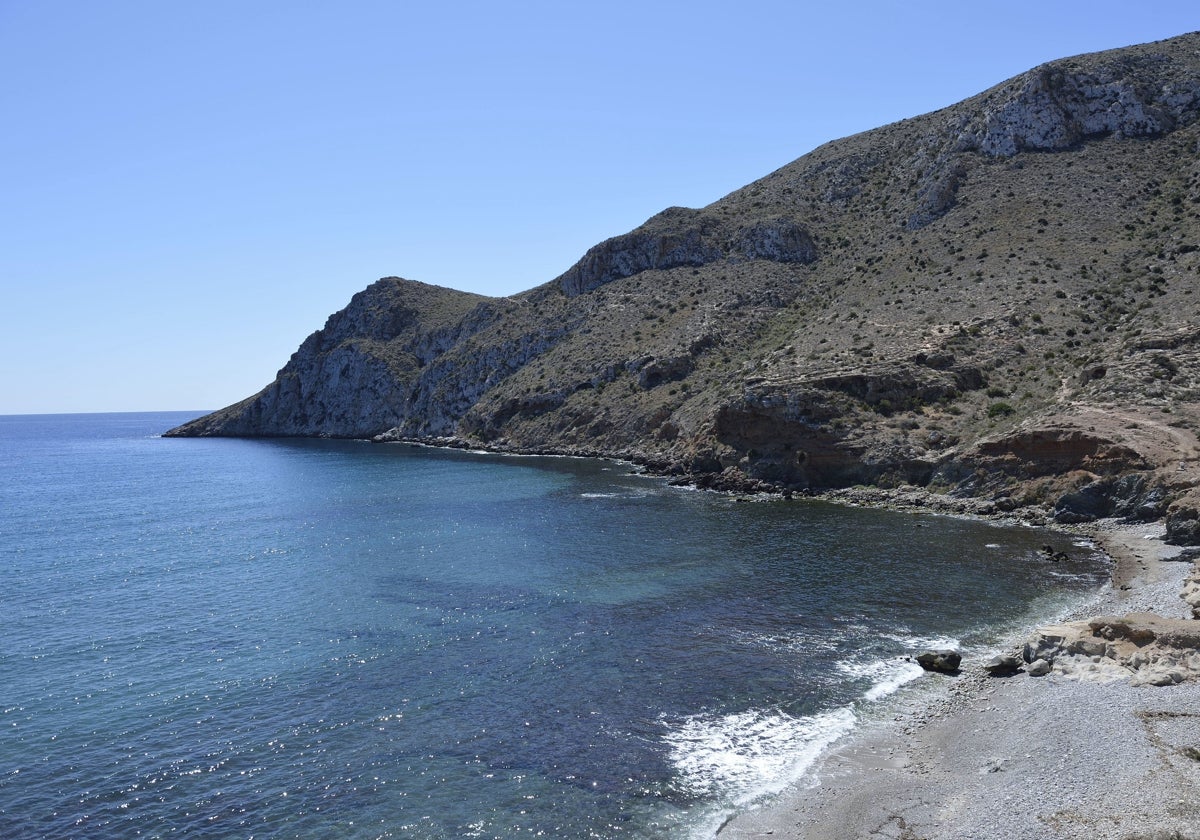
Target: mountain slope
point(995, 299)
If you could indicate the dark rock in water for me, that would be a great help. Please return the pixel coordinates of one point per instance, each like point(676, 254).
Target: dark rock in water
point(999, 666)
point(1056, 556)
point(942, 661)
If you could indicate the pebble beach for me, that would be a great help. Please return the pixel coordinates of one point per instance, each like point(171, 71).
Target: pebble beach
point(1058, 757)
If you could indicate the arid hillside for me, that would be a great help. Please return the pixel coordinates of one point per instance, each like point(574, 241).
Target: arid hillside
point(996, 300)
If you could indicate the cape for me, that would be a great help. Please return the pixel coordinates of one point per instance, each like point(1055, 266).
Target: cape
point(997, 300)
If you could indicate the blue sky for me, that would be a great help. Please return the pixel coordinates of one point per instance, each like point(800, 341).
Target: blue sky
point(190, 189)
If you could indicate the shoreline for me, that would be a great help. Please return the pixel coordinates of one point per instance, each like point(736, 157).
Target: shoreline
point(982, 757)
point(1052, 757)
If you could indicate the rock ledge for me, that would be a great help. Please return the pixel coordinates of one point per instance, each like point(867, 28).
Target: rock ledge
point(1147, 648)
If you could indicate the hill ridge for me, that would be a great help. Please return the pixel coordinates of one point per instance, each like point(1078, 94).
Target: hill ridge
point(952, 301)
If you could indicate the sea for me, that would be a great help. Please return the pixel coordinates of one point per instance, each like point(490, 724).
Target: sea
point(288, 638)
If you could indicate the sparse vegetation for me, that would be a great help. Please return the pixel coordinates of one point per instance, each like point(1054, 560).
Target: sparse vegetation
point(952, 287)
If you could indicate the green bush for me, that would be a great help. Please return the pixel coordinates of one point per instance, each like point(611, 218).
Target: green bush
point(1000, 409)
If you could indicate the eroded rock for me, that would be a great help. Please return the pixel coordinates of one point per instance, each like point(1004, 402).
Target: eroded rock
point(1056, 107)
point(680, 236)
point(1191, 592)
point(1146, 648)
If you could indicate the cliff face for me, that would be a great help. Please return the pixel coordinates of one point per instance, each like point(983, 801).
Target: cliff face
point(682, 237)
point(355, 376)
point(996, 299)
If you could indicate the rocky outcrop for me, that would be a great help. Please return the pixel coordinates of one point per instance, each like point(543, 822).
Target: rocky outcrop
point(892, 387)
point(1082, 475)
point(1145, 648)
point(787, 435)
point(1134, 94)
point(679, 237)
point(357, 376)
point(1183, 519)
point(1132, 496)
point(801, 433)
point(1191, 592)
point(1060, 105)
point(937, 194)
point(1049, 451)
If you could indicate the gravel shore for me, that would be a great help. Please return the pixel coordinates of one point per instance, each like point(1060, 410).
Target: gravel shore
point(1053, 757)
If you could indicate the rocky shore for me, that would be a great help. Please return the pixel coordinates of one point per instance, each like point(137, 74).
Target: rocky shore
point(988, 311)
point(1103, 744)
point(1088, 751)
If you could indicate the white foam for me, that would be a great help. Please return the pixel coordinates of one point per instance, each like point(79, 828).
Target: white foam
point(1071, 576)
point(886, 675)
point(799, 642)
point(747, 755)
point(912, 641)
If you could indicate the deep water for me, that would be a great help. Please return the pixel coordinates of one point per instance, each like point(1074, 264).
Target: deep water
point(288, 638)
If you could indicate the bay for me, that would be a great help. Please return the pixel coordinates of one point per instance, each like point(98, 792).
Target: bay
point(299, 638)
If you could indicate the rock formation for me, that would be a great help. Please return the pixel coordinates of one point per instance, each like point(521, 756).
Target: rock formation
point(996, 300)
point(1149, 649)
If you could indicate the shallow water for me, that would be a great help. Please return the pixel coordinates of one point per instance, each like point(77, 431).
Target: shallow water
point(225, 638)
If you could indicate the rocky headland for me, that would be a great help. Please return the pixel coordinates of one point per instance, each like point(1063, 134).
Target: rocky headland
point(991, 309)
point(994, 301)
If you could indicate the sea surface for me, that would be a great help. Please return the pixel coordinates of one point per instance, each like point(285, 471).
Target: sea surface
point(216, 638)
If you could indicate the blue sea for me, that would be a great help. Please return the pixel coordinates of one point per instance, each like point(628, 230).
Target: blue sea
point(217, 638)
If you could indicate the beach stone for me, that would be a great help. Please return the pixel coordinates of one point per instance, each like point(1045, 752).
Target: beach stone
point(1003, 665)
point(1161, 674)
point(1038, 668)
point(942, 661)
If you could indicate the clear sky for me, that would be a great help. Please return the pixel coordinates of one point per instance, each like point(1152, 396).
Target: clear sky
point(190, 189)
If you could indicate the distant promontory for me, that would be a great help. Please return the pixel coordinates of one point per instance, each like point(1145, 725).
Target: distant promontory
point(999, 300)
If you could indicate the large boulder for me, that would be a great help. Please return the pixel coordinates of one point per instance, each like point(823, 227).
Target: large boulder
point(1038, 668)
point(941, 661)
point(1003, 665)
point(1191, 592)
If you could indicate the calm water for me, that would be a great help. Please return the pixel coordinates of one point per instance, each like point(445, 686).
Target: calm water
point(224, 638)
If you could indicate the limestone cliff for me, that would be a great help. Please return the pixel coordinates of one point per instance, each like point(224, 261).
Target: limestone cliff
point(357, 375)
point(997, 299)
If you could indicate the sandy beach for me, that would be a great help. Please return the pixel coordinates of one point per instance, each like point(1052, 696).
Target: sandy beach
point(1055, 757)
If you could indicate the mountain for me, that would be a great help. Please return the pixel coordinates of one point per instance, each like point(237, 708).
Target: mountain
point(996, 300)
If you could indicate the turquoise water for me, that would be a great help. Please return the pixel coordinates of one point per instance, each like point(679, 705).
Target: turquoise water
point(288, 638)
